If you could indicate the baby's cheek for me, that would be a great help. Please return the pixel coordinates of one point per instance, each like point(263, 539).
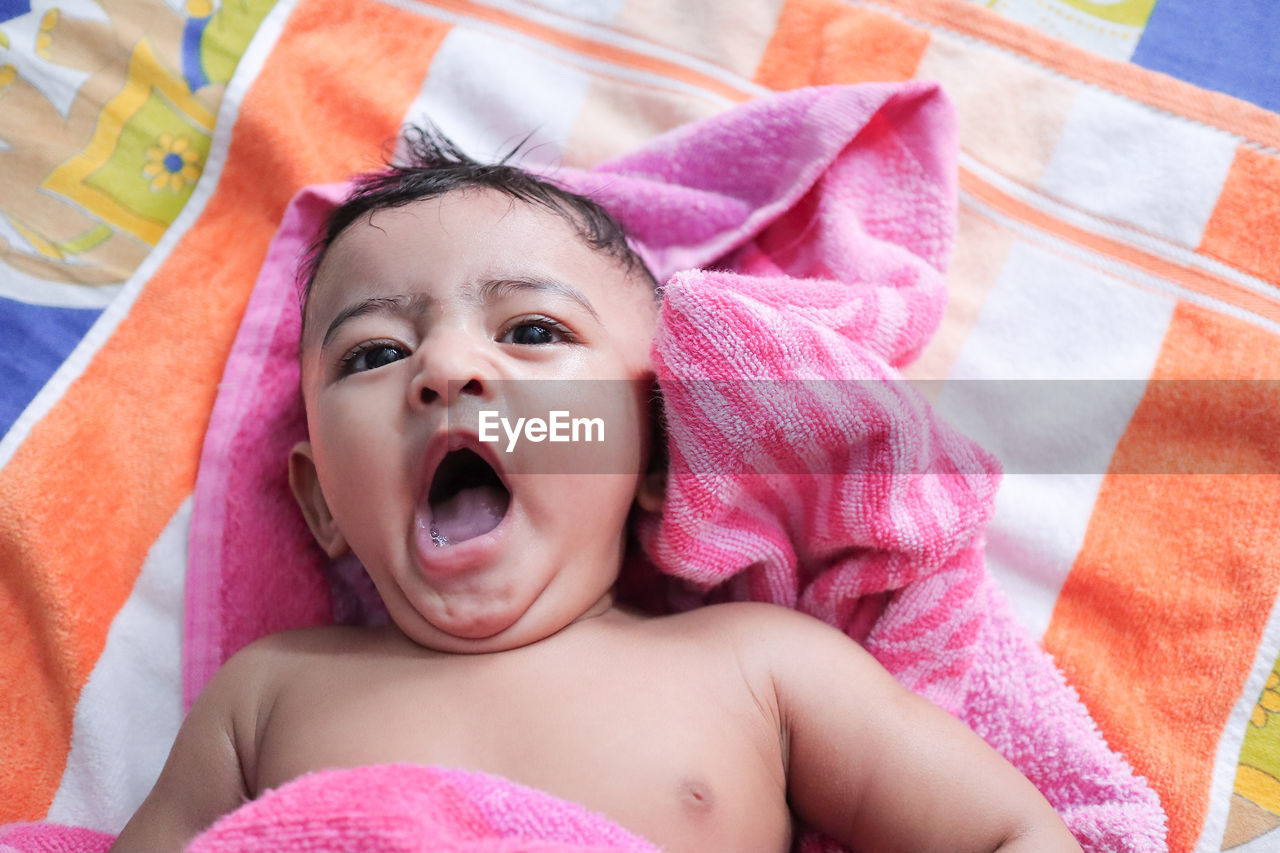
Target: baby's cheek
point(606, 501)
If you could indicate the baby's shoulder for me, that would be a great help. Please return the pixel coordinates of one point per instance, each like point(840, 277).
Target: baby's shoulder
point(294, 646)
point(773, 637)
point(265, 665)
point(752, 622)
point(317, 640)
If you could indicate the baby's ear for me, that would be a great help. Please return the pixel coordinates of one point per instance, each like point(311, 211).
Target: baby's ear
point(305, 483)
point(652, 490)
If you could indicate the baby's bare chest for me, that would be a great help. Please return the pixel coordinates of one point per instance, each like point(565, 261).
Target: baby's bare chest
point(680, 751)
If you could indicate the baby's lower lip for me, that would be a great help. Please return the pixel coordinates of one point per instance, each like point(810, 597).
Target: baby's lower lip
point(451, 558)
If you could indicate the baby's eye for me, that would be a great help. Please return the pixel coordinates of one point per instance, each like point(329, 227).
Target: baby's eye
point(371, 356)
point(536, 331)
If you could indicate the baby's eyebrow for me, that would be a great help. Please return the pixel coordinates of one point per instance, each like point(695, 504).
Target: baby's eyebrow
point(498, 288)
point(416, 303)
point(400, 304)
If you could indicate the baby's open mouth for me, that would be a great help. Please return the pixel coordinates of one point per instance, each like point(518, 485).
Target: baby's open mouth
point(467, 498)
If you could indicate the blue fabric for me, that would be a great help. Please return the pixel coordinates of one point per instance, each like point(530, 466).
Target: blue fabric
point(1226, 45)
point(34, 341)
point(10, 9)
point(192, 65)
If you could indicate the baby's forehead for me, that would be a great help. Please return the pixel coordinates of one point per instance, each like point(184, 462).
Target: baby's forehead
point(348, 250)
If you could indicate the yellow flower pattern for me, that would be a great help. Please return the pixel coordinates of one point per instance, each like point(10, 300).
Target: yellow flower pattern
point(44, 39)
point(118, 173)
point(1269, 703)
point(172, 163)
point(1255, 801)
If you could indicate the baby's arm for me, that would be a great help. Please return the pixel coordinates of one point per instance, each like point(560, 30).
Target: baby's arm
point(878, 768)
point(202, 778)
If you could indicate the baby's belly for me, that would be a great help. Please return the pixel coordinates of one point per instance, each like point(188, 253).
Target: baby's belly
point(680, 787)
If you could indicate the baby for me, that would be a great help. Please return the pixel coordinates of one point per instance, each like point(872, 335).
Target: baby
point(442, 290)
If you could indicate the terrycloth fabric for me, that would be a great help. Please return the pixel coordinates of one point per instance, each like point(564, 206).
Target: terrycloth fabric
point(390, 808)
point(830, 211)
point(52, 838)
point(405, 808)
point(830, 490)
point(884, 541)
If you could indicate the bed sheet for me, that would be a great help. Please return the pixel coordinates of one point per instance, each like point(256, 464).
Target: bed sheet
point(1118, 236)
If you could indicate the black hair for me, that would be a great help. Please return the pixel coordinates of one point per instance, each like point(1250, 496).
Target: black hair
point(434, 166)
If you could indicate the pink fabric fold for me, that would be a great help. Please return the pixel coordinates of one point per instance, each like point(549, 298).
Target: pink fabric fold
point(803, 239)
point(405, 808)
point(884, 541)
point(390, 808)
point(52, 838)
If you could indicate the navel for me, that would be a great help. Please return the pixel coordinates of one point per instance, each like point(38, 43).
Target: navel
point(695, 795)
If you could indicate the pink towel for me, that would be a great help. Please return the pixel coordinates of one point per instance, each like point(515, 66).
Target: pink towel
point(405, 808)
point(805, 238)
point(52, 838)
point(390, 808)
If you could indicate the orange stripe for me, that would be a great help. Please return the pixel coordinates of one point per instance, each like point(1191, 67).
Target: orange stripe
point(79, 506)
point(1125, 78)
point(590, 48)
point(1158, 623)
point(818, 42)
point(1242, 230)
point(1191, 278)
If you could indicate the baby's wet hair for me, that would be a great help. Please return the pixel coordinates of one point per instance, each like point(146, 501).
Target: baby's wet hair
point(434, 166)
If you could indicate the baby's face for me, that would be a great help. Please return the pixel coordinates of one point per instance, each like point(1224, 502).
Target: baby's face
point(420, 319)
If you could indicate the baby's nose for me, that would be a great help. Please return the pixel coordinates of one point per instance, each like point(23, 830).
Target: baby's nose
point(451, 366)
point(453, 389)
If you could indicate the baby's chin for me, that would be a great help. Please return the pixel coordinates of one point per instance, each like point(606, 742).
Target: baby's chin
point(497, 626)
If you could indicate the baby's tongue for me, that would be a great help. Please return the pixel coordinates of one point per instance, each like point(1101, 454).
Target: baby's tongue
point(471, 512)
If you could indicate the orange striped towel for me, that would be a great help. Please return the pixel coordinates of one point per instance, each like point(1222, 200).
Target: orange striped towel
point(1114, 224)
